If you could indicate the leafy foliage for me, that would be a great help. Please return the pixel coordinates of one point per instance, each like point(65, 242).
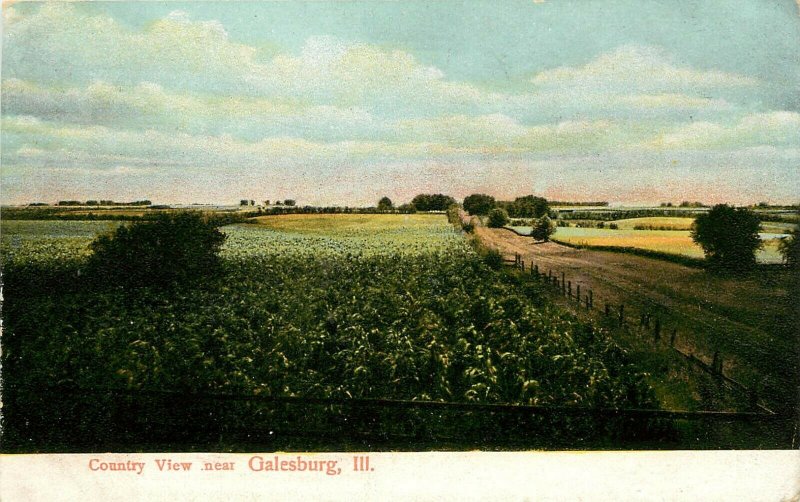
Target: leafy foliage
point(729, 236)
point(789, 247)
point(497, 218)
point(406, 314)
point(478, 204)
point(528, 206)
point(174, 248)
point(543, 229)
point(385, 204)
point(435, 202)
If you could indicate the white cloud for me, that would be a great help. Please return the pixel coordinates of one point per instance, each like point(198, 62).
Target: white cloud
point(639, 68)
point(767, 129)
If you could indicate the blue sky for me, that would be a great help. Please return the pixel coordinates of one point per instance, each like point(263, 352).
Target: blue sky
point(342, 102)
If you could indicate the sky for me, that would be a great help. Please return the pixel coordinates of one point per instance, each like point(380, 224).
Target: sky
point(344, 102)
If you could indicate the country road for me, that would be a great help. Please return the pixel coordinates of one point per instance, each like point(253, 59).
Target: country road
point(747, 320)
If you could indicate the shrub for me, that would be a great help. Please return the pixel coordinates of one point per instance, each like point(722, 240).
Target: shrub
point(729, 236)
point(543, 229)
point(493, 258)
point(468, 227)
point(613, 226)
point(498, 218)
point(790, 249)
point(173, 248)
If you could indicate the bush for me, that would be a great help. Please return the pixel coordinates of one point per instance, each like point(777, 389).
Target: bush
point(729, 236)
point(790, 249)
point(173, 248)
point(468, 227)
point(543, 229)
point(479, 204)
point(498, 218)
point(493, 258)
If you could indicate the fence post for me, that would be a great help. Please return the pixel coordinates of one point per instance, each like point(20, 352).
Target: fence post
point(608, 310)
point(657, 330)
point(569, 289)
point(715, 361)
point(522, 265)
point(536, 270)
point(672, 337)
point(591, 300)
point(563, 285)
point(578, 294)
point(622, 314)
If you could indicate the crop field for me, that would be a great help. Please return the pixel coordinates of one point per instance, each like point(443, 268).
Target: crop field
point(658, 222)
point(664, 241)
point(344, 234)
point(390, 307)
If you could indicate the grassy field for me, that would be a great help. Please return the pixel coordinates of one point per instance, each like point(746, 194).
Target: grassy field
point(677, 242)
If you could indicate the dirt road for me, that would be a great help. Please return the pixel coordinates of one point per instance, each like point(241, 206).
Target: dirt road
point(746, 320)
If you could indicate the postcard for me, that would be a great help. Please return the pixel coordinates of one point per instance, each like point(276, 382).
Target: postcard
point(531, 249)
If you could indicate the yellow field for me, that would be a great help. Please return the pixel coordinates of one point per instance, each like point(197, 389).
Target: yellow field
point(664, 241)
point(348, 223)
point(661, 222)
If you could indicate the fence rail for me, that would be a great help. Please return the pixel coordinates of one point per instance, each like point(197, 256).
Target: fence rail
point(647, 322)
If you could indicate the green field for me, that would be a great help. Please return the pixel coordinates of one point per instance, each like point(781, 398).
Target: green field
point(396, 307)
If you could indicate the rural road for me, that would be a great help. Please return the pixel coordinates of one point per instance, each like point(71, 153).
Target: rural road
point(745, 319)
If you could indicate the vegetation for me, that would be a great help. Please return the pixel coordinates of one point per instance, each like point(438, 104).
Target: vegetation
point(543, 229)
point(498, 218)
point(180, 247)
point(435, 202)
point(789, 248)
point(324, 308)
point(385, 204)
point(528, 206)
point(670, 242)
point(479, 204)
point(729, 236)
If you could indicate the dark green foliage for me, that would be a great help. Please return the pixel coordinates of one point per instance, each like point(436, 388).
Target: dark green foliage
point(468, 227)
point(543, 229)
point(493, 258)
point(497, 218)
point(435, 202)
point(478, 204)
point(174, 248)
point(790, 248)
point(528, 206)
point(729, 237)
point(385, 204)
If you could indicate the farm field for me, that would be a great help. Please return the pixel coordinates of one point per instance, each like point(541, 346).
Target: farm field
point(664, 241)
point(390, 307)
point(747, 319)
point(660, 222)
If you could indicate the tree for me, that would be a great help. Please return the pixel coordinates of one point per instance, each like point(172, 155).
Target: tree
point(498, 218)
point(543, 229)
point(434, 202)
point(790, 248)
point(729, 236)
point(528, 206)
point(290, 202)
point(479, 204)
point(173, 248)
point(385, 204)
